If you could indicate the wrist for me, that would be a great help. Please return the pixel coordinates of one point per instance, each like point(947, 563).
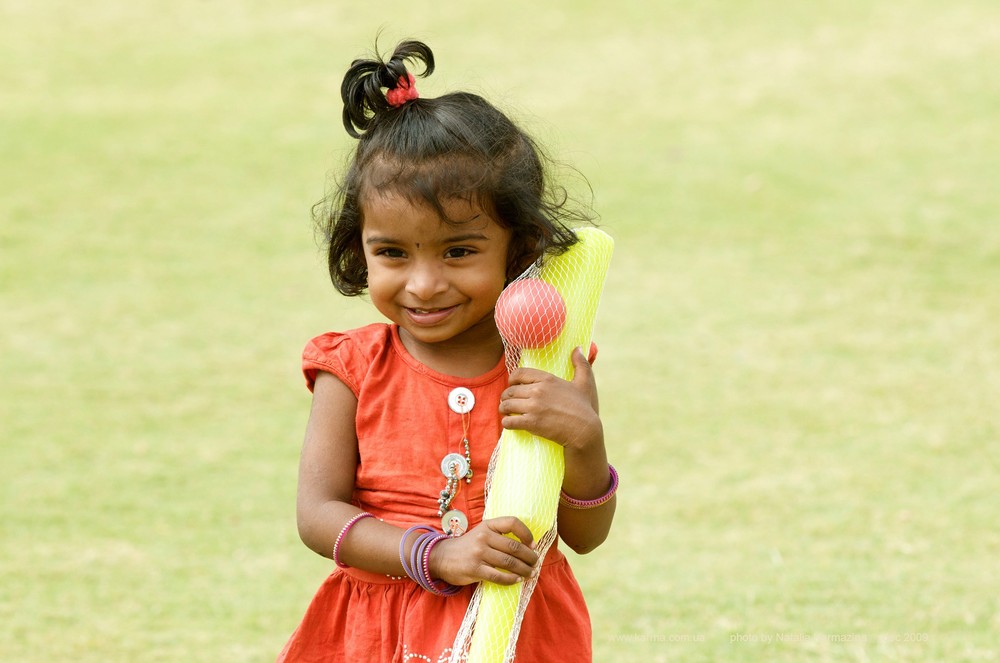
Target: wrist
point(571, 502)
point(589, 438)
point(587, 474)
point(587, 462)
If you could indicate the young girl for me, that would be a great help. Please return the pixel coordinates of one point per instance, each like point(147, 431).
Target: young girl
point(443, 204)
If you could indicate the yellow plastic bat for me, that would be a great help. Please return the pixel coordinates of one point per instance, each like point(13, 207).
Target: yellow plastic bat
point(527, 471)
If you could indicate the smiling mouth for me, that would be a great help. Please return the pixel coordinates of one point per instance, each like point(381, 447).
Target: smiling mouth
point(429, 316)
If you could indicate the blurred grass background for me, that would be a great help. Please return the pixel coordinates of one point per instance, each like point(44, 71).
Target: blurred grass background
point(800, 354)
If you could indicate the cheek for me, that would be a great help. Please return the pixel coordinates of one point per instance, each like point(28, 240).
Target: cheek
point(492, 287)
point(378, 282)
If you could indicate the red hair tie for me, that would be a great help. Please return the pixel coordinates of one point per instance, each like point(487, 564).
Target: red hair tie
point(404, 91)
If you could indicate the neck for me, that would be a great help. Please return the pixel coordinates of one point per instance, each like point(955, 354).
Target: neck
point(467, 356)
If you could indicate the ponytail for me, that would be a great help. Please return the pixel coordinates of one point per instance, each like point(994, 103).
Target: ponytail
point(368, 81)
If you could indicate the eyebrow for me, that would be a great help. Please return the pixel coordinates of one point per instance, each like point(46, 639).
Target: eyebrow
point(454, 239)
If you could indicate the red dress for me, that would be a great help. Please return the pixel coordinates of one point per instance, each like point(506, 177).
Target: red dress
point(405, 427)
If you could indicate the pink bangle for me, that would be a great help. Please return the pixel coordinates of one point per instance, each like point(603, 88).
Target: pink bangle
point(427, 560)
point(343, 532)
point(572, 503)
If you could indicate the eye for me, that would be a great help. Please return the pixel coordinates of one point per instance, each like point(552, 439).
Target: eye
point(390, 252)
point(458, 252)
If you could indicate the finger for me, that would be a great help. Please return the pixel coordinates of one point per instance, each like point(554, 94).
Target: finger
point(519, 421)
point(498, 576)
point(510, 406)
point(518, 400)
point(527, 376)
point(511, 410)
point(507, 562)
point(515, 404)
point(517, 376)
point(515, 392)
point(518, 549)
point(583, 373)
point(512, 525)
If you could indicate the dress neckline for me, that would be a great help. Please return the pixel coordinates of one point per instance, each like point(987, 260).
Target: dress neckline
point(444, 378)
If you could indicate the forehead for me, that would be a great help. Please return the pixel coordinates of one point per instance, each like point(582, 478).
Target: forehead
point(442, 177)
point(393, 214)
point(443, 183)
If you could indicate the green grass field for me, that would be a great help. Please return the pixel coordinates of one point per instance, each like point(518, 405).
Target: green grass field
point(800, 338)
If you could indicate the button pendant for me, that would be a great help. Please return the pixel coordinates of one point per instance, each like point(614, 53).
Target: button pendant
point(454, 466)
point(461, 400)
point(454, 523)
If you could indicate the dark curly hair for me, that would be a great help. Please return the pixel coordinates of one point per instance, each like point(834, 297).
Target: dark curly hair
point(456, 146)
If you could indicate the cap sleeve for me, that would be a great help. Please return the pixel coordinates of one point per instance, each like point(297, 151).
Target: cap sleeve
point(334, 353)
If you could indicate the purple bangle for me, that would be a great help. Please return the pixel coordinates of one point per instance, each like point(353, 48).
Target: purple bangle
point(572, 503)
point(407, 567)
point(410, 561)
point(416, 562)
point(343, 532)
point(425, 567)
point(416, 554)
point(437, 586)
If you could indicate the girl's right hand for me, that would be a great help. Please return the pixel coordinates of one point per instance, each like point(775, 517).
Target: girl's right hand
point(485, 553)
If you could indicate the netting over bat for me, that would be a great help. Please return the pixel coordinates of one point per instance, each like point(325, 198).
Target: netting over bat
point(542, 316)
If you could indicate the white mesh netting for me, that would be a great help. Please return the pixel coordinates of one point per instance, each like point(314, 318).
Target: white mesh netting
point(542, 315)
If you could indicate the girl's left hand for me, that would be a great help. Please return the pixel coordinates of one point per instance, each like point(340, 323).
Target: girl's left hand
point(564, 411)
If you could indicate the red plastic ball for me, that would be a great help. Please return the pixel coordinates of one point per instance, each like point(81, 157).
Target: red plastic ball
point(530, 313)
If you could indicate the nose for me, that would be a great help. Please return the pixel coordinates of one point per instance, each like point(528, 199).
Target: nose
point(425, 280)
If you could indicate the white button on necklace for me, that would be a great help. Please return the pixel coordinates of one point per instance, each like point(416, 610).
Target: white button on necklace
point(461, 400)
point(455, 466)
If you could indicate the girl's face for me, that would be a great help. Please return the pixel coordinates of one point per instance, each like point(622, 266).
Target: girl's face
point(439, 281)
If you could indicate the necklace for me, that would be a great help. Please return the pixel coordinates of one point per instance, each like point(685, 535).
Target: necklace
point(456, 466)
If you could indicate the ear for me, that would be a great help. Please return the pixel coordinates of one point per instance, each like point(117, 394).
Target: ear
point(523, 253)
point(359, 263)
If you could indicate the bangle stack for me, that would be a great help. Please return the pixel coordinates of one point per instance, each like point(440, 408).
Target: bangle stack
point(573, 503)
point(343, 532)
point(416, 563)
